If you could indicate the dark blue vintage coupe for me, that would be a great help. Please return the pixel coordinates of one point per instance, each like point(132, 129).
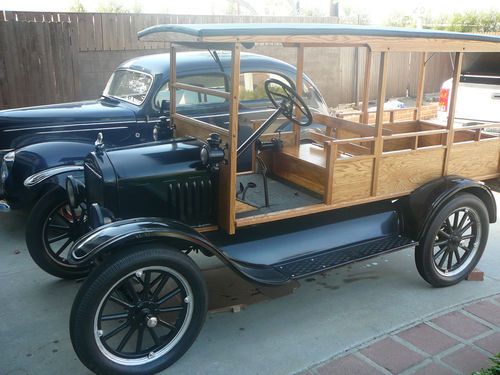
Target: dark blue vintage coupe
point(41, 146)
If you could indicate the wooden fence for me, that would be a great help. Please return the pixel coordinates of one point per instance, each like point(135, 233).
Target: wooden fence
point(55, 57)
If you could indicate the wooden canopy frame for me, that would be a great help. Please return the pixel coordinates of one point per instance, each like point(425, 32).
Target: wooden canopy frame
point(376, 165)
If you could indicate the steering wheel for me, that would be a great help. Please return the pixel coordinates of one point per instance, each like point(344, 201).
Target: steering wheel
point(286, 98)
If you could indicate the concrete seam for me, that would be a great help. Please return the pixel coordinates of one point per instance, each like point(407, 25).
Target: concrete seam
point(367, 360)
point(479, 319)
point(410, 346)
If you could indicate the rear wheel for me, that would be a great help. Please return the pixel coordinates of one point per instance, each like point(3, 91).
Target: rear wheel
point(138, 312)
point(51, 229)
point(454, 241)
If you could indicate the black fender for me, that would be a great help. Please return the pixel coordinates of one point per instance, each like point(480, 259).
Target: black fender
point(39, 163)
point(114, 236)
point(422, 205)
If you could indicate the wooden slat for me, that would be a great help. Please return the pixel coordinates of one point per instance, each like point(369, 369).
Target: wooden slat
point(421, 85)
point(366, 86)
point(475, 159)
point(299, 82)
point(331, 155)
point(178, 118)
point(173, 79)
point(203, 90)
point(227, 174)
point(378, 146)
point(451, 112)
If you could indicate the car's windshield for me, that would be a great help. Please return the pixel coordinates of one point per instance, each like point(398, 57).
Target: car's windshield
point(128, 85)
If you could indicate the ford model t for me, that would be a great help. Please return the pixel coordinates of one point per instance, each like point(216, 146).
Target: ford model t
point(309, 200)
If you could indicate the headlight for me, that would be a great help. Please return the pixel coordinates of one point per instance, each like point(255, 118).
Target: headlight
point(204, 155)
point(4, 172)
point(7, 162)
point(75, 191)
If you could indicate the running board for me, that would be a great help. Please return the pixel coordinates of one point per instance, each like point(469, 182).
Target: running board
point(314, 263)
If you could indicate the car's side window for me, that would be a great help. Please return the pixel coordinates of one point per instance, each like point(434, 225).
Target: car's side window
point(186, 98)
point(252, 92)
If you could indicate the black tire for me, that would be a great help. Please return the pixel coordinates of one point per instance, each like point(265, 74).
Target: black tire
point(110, 281)
point(41, 250)
point(447, 253)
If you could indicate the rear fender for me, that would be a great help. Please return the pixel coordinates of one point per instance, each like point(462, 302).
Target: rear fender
point(421, 206)
point(112, 237)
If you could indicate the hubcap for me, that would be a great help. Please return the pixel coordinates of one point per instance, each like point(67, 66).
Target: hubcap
point(456, 242)
point(143, 316)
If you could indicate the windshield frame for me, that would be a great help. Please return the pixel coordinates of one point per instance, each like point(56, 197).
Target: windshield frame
point(106, 94)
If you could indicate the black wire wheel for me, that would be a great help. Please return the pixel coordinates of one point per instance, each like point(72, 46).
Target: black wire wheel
point(139, 311)
point(52, 227)
point(454, 241)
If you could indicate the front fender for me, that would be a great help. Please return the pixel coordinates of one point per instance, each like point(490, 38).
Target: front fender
point(421, 206)
point(33, 159)
point(112, 237)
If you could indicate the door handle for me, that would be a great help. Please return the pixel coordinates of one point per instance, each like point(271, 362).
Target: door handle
point(495, 96)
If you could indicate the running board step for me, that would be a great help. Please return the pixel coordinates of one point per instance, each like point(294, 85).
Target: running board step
point(318, 262)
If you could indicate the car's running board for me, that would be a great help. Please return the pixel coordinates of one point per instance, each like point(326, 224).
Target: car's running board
point(314, 263)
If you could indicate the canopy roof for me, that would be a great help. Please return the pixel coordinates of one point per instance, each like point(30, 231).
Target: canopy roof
point(376, 38)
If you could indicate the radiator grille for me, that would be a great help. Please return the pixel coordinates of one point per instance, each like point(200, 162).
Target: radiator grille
point(191, 201)
point(94, 184)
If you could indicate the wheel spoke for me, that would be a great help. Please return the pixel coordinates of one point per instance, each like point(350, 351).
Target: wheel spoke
point(120, 302)
point(441, 262)
point(440, 243)
point(171, 309)
point(116, 330)
point(168, 296)
point(58, 227)
point(469, 224)
point(146, 285)
point(462, 222)
point(155, 337)
point(64, 246)
point(58, 238)
point(114, 316)
point(131, 290)
point(160, 286)
point(125, 339)
point(436, 256)
point(464, 248)
point(63, 218)
point(140, 336)
point(450, 261)
point(468, 236)
point(455, 220)
point(166, 324)
point(443, 233)
point(457, 255)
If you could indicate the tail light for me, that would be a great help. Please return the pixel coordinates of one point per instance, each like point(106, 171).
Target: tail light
point(444, 95)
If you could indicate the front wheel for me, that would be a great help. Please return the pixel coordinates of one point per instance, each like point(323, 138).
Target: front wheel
point(139, 311)
point(454, 241)
point(51, 229)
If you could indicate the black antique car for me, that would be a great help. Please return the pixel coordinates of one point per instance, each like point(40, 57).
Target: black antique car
point(310, 200)
point(40, 146)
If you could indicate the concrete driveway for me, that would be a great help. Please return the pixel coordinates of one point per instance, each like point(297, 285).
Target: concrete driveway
point(325, 316)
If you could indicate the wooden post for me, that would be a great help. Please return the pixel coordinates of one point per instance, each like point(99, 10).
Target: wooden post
point(299, 88)
point(421, 85)
point(173, 91)
point(366, 86)
point(451, 112)
point(227, 175)
point(379, 122)
point(331, 150)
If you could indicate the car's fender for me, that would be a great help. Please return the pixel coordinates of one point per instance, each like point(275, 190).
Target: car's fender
point(423, 204)
point(115, 236)
point(39, 167)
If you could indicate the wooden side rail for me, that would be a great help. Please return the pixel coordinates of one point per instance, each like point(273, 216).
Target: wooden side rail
point(201, 90)
point(349, 147)
point(187, 126)
point(362, 130)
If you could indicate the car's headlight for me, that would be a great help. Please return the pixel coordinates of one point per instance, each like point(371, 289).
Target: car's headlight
point(4, 172)
point(7, 162)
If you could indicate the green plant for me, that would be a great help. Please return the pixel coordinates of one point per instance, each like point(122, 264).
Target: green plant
point(493, 370)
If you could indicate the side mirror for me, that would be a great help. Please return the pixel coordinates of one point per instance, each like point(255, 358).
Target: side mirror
point(164, 107)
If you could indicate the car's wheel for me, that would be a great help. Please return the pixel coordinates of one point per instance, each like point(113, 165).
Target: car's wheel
point(454, 241)
point(51, 229)
point(139, 311)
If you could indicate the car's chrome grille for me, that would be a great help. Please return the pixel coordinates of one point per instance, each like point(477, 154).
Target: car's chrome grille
point(94, 185)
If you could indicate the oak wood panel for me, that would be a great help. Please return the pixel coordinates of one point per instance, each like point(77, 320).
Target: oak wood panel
point(404, 172)
point(308, 175)
point(475, 159)
point(352, 180)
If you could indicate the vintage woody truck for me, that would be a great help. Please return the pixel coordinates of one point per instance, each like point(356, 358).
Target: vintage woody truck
point(311, 200)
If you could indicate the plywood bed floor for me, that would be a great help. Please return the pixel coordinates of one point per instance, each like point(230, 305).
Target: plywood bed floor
point(282, 196)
